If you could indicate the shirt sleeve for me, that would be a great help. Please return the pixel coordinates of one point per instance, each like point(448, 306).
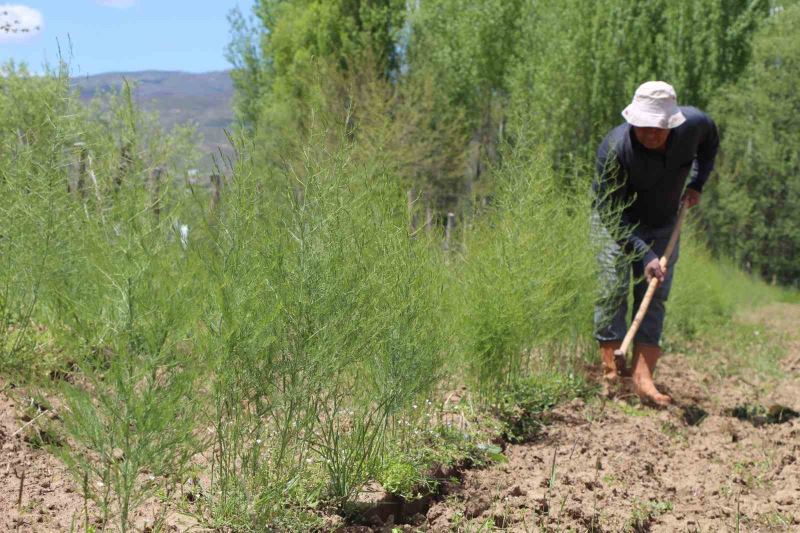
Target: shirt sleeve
point(610, 200)
point(706, 153)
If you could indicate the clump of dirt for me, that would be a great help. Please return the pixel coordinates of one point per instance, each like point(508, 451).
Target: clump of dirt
point(694, 415)
point(758, 415)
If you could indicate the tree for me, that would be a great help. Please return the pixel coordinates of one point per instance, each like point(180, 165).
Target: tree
point(578, 63)
point(752, 211)
point(467, 47)
point(332, 70)
point(275, 57)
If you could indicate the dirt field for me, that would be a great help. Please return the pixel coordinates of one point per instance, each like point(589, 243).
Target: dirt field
point(608, 466)
point(600, 466)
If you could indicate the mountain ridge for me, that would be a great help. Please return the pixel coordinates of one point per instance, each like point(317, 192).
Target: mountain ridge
point(205, 98)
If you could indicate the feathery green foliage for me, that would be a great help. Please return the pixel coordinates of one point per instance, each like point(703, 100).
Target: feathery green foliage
point(332, 308)
point(752, 214)
point(707, 291)
point(300, 335)
point(527, 279)
point(578, 62)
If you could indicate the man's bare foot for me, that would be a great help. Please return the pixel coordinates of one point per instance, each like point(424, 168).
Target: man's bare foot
point(645, 358)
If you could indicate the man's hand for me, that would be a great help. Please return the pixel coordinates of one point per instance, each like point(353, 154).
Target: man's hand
point(653, 270)
point(691, 197)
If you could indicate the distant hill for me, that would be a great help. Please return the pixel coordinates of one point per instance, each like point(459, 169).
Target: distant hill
point(205, 99)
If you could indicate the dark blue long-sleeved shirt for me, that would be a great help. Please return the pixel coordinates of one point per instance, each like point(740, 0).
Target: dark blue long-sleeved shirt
point(649, 184)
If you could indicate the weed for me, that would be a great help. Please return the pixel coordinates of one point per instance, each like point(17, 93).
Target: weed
point(635, 410)
point(522, 407)
point(404, 479)
point(672, 431)
point(643, 514)
point(775, 519)
point(759, 415)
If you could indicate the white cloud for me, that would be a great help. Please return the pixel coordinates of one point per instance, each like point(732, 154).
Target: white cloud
point(122, 4)
point(19, 23)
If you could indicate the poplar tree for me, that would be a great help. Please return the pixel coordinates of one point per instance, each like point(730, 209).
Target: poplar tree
point(752, 210)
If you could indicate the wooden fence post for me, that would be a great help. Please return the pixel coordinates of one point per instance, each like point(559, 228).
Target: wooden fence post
point(155, 190)
point(428, 219)
point(80, 185)
point(451, 225)
point(412, 218)
point(124, 165)
point(428, 212)
point(216, 196)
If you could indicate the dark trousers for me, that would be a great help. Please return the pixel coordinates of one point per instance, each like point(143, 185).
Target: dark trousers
point(616, 273)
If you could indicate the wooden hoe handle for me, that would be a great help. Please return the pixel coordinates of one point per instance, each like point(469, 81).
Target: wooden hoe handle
point(651, 288)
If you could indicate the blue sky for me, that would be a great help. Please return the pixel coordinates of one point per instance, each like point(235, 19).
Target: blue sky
point(118, 35)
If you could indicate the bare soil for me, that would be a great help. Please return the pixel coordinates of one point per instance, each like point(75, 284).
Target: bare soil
point(35, 492)
point(613, 466)
point(603, 465)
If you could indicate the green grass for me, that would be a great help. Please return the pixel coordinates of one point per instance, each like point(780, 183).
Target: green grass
point(707, 293)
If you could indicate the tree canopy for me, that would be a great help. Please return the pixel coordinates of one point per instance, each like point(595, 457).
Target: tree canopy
point(443, 85)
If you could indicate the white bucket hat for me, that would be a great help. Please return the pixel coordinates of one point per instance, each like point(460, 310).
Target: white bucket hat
point(654, 106)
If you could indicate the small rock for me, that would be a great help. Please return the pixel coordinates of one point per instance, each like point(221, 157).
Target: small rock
point(117, 454)
point(515, 491)
point(574, 511)
point(476, 507)
point(591, 485)
point(417, 520)
point(333, 522)
point(784, 497)
point(435, 512)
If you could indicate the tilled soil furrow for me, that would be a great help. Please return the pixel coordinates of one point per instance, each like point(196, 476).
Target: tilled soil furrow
point(693, 467)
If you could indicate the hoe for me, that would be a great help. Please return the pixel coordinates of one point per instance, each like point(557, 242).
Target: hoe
point(620, 356)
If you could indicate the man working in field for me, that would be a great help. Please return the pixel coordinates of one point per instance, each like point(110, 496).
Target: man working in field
point(642, 169)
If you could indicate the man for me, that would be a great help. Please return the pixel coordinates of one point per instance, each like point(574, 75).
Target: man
point(642, 169)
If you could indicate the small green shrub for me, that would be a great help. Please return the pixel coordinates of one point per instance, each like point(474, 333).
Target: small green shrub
point(331, 306)
point(401, 478)
point(522, 409)
point(526, 283)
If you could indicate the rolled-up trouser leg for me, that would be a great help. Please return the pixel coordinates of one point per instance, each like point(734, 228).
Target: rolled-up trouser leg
point(611, 309)
point(653, 322)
